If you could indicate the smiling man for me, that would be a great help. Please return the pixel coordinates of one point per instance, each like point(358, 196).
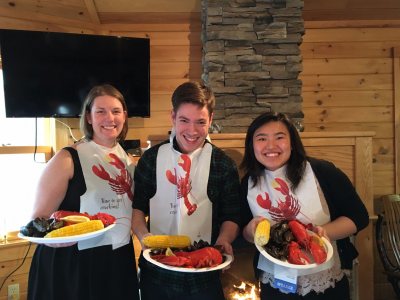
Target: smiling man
point(186, 186)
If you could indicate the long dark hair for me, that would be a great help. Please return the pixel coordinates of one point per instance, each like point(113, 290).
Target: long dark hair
point(296, 164)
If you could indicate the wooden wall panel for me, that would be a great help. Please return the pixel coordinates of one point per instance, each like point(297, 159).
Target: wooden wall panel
point(340, 82)
point(353, 35)
point(381, 49)
point(350, 10)
point(348, 114)
point(166, 38)
point(348, 98)
point(348, 85)
point(396, 109)
point(381, 129)
point(13, 268)
point(347, 66)
point(176, 69)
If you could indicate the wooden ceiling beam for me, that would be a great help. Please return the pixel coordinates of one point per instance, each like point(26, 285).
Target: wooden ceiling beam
point(92, 10)
point(29, 17)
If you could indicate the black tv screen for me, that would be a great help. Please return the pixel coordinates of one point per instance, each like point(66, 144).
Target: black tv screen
point(48, 74)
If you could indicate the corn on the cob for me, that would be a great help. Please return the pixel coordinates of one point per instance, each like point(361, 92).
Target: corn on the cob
point(76, 229)
point(261, 236)
point(165, 241)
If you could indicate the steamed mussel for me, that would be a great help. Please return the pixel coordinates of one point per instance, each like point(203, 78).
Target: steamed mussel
point(280, 237)
point(39, 227)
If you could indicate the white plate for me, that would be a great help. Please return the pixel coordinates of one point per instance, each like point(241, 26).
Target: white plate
point(227, 262)
point(65, 239)
point(312, 268)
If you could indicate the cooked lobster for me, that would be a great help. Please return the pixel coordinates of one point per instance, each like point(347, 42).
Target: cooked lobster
point(104, 217)
point(201, 258)
point(309, 242)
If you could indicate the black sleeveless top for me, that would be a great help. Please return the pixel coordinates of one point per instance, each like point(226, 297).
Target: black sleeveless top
point(67, 273)
point(76, 186)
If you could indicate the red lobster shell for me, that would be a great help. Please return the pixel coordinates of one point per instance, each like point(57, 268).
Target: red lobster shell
point(308, 242)
point(107, 219)
point(202, 258)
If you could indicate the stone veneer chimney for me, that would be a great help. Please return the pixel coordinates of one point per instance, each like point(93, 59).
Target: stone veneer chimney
point(251, 58)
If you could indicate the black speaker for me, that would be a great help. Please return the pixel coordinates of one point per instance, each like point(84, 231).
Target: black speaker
point(132, 147)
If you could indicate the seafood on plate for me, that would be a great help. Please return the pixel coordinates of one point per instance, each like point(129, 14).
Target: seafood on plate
point(107, 219)
point(201, 258)
point(198, 255)
point(40, 227)
point(291, 241)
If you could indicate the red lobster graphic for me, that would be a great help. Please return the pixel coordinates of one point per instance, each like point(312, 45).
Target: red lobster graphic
point(287, 209)
point(183, 184)
point(122, 183)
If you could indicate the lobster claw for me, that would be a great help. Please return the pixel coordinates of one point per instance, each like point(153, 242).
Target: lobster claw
point(317, 250)
point(283, 187)
point(311, 243)
point(186, 163)
point(171, 177)
point(105, 218)
point(101, 172)
point(204, 257)
point(116, 162)
point(173, 260)
point(300, 233)
point(296, 256)
point(201, 258)
point(264, 203)
point(191, 207)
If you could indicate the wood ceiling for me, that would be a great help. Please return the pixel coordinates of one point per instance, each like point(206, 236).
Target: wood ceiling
point(100, 12)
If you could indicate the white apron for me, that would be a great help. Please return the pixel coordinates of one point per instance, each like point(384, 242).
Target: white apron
point(181, 204)
point(273, 199)
point(108, 179)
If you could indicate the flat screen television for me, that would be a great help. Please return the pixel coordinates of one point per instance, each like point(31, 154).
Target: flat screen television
point(48, 74)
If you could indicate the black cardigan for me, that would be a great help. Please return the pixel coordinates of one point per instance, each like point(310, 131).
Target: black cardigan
point(342, 200)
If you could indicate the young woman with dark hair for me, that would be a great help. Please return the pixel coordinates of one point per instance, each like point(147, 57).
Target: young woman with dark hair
point(283, 183)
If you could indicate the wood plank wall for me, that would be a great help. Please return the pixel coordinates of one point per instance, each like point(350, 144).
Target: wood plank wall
point(347, 79)
point(15, 261)
point(348, 86)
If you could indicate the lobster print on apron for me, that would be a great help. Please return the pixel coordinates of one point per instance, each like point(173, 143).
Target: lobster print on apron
point(109, 190)
point(181, 204)
point(273, 199)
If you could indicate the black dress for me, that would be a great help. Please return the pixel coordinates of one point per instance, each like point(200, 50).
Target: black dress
point(91, 274)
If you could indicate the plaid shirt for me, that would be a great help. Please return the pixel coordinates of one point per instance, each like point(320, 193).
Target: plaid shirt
point(223, 190)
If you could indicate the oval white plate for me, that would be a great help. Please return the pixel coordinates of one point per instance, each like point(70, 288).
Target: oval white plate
point(315, 267)
point(65, 239)
point(227, 262)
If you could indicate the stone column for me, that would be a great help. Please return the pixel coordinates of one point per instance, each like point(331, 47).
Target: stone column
point(251, 58)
